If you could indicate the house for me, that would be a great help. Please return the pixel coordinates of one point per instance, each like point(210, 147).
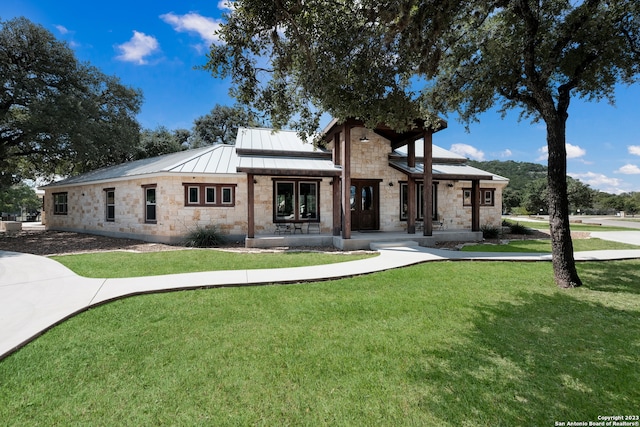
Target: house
point(272, 186)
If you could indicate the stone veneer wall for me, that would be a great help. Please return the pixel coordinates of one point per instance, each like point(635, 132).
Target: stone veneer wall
point(86, 209)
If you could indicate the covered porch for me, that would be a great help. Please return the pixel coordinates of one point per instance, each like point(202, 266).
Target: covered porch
point(361, 240)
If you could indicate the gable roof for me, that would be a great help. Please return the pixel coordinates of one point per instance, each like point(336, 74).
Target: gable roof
point(218, 159)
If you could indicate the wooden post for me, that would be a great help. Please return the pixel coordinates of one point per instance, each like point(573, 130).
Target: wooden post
point(250, 206)
point(337, 210)
point(427, 193)
point(475, 205)
point(411, 189)
point(346, 181)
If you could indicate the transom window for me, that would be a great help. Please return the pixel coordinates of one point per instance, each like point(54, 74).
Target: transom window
point(209, 194)
point(486, 197)
point(60, 206)
point(296, 200)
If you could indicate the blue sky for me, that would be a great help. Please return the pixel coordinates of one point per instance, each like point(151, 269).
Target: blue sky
point(154, 45)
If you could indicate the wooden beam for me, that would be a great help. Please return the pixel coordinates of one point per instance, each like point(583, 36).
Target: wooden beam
point(337, 211)
point(346, 182)
point(411, 206)
point(428, 182)
point(411, 154)
point(251, 222)
point(475, 205)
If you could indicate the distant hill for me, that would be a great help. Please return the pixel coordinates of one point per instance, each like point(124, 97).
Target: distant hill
point(519, 173)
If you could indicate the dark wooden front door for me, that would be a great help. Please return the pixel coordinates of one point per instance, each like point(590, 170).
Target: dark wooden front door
point(365, 205)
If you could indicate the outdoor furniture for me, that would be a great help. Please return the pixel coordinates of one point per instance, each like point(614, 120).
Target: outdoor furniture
point(283, 228)
point(297, 226)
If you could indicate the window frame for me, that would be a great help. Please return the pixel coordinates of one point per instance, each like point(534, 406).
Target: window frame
point(147, 204)
point(61, 203)
point(108, 205)
point(313, 216)
point(484, 202)
point(219, 190)
point(404, 189)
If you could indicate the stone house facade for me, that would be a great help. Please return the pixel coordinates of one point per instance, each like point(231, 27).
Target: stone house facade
point(273, 183)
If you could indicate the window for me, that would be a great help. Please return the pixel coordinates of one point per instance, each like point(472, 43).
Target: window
point(296, 201)
point(60, 206)
point(209, 194)
point(150, 214)
point(404, 196)
point(486, 196)
point(110, 204)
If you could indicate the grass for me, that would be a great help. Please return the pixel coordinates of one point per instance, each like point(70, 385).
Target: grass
point(126, 264)
point(544, 246)
point(447, 344)
point(540, 225)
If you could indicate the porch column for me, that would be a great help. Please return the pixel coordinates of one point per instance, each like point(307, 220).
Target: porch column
point(346, 181)
point(411, 205)
point(337, 210)
point(411, 189)
point(428, 182)
point(475, 205)
point(251, 224)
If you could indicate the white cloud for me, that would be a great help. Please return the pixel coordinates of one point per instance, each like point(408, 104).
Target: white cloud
point(573, 152)
point(599, 181)
point(467, 151)
point(226, 5)
point(62, 29)
point(138, 48)
point(506, 153)
point(629, 169)
point(194, 23)
point(634, 149)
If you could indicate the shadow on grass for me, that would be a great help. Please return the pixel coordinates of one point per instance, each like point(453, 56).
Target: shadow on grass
point(549, 358)
point(611, 276)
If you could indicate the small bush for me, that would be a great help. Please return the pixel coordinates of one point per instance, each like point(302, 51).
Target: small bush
point(518, 228)
point(204, 237)
point(490, 231)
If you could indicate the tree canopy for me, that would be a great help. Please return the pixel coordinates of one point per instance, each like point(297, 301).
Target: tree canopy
point(397, 60)
point(220, 125)
point(57, 115)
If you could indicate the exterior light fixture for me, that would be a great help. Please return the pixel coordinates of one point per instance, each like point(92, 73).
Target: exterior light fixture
point(364, 139)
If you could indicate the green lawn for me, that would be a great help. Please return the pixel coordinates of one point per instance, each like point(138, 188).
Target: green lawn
point(437, 344)
point(126, 264)
point(540, 225)
point(544, 246)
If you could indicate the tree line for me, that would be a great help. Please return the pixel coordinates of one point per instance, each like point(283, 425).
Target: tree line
point(528, 191)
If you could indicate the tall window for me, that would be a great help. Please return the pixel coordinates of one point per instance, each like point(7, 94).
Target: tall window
point(60, 206)
point(150, 214)
point(404, 197)
point(296, 201)
point(110, 204)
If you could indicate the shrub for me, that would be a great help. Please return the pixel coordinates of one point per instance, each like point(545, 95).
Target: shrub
point(518, 228)
point(490, 231)
point(204, 237)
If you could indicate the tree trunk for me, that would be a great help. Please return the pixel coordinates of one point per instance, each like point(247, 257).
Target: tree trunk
point(564, 264)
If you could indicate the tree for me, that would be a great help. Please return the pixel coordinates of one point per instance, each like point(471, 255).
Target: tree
point(363, 59)
point(19, 197)
point(57, 115)
point(221, 125)
point(161, 141)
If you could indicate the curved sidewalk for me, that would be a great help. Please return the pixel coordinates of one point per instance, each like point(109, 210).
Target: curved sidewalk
point(37, 293)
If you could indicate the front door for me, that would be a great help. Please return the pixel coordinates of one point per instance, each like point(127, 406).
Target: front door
point(365, 205)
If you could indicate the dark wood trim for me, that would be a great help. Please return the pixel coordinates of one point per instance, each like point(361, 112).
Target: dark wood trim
point(337, 217)
point(346, 182)
point(411, 205)
point(427, 188)
point(283, 153)
point(251, 221)
point(475, 205)
point(290, 172)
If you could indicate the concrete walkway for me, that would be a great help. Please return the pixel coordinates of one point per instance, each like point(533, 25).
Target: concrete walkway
point(37, 293)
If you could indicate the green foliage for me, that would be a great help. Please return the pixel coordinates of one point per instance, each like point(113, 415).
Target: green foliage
point(490, 231)
point(221, 125)
point(204, 237)
point(437, 344)
point(57, 115)
point(517, 228)
point(18, 197)
point(161, 141)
